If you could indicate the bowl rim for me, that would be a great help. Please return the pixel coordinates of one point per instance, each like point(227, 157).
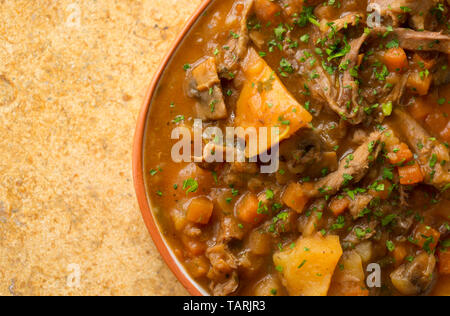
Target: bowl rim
point(138, 173)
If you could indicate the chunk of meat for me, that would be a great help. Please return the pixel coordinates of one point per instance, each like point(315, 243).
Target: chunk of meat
point(229, 229)
point(351, 169)
point(227, 287)
point(204, 85)
point(433, 156)
point(284, 222)
point(223, 275)
point(302, 151)
point(415, 277)
point(238, 44)
point(417, 41)
point(362, 230)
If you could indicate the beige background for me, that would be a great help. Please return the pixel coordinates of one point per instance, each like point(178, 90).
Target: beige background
point(72, 78)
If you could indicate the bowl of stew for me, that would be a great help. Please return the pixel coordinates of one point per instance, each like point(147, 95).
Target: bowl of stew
point(301, 148)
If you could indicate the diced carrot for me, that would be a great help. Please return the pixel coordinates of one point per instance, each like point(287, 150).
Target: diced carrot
point(427, 237)
point(295, 197)
point(419, 82)
point(436, 122)
point(421, 108)
point(240, 8)
point(198, 266)
point(423, 63)
point(383, 193)
point(193, 246)
point(339, 206)
point(266, 10)
point(249, 210)
point(444, 261)
point(396, 59)
point(400, 154)
point(410, 174)
point(199, 210)
point(360, 59)
point(400, 252)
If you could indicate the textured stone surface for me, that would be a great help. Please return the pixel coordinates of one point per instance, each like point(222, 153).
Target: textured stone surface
point(72, 78)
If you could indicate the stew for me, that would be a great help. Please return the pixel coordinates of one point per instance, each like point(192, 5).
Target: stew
point(354, 97)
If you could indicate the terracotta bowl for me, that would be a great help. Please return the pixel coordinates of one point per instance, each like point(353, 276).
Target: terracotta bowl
point(138, 171)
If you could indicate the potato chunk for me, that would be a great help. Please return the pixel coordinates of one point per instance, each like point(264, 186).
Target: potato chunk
point(308, 267)
point(199, 210)
point(265, 102)
point(295, 197)
point(349, 278)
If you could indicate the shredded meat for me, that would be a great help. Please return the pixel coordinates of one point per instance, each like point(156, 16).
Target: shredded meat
point(227, 287)
point(349, 88)
point(433, 156)
point(324, 88)
point(223, 274)
point(360, 202)
point(398, 90)
point(345, 103)
point(351, 18)
point(417, 41)
point(355, 166)
point(237, 46)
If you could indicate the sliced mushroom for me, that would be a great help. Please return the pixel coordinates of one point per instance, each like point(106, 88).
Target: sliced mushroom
point(414, 278)
point(204, 85)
